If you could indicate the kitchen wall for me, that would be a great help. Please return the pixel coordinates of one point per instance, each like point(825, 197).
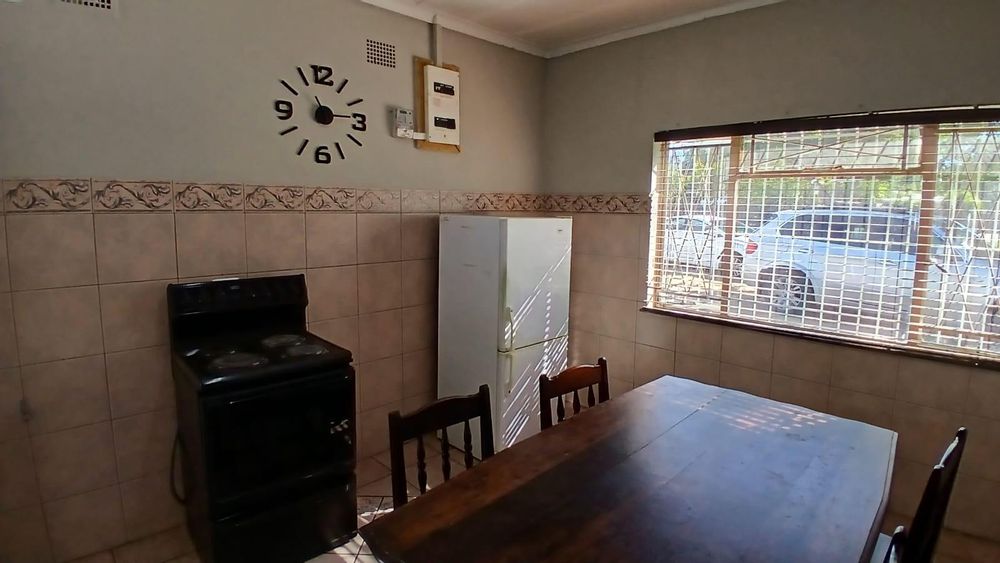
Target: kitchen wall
point(184, 89)
point(925, 401)
point(791, 59)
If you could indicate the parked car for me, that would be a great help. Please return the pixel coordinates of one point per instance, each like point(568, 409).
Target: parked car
point(865, 260)
point(699, 240)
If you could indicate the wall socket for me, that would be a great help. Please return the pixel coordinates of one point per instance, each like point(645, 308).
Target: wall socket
point(402, 123)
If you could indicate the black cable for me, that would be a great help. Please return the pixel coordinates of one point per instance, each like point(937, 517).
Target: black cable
point(173, 467)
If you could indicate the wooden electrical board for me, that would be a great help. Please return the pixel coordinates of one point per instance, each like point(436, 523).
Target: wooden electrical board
point(419, 101)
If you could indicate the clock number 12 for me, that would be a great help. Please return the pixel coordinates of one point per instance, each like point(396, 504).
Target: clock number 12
point(322, 75)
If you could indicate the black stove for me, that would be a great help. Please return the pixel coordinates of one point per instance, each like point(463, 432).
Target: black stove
point(266, 422)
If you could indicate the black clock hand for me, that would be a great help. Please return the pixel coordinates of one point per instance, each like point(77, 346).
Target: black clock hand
point(319, 103)
point(338, 115)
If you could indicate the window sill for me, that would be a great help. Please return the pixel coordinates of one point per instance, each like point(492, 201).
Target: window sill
point(908, 351)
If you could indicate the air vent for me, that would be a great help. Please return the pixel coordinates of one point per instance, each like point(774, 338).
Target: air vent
point(103, 5)
point(381, 54)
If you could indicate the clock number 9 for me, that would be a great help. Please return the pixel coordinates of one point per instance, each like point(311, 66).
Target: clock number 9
point(284, 109)
point(359, 122)
point(322, 155)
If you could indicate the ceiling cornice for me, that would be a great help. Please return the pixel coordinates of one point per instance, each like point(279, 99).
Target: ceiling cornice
point(460, 25)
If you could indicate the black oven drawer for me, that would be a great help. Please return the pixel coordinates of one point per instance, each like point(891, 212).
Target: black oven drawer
point(269, 441)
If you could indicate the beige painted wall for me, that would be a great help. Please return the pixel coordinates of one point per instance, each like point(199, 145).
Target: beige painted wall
point(796, 58)
point(184, 88)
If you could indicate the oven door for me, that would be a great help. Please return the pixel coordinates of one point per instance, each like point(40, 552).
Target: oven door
point(279, 440)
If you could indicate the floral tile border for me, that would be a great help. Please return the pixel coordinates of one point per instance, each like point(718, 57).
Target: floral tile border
point(115, 195)
point(330, 199)
point(189, 196)
point(274, 198)
point(46, 195)
point(25, 195)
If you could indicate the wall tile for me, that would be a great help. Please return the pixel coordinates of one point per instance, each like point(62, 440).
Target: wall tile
point(651, 363)
point(924, 432)
point(415, 402)
point(274, 198)
point(966, 510)
point(23, 537)
point(800, 392)
point(100, 557)
point(164, 546)
point(191, 196)
point(697, 368)
point(420, 236)
point(381, 382)
point(420, 373)
point(863, 407)
point(143, 443)
point(617, 318)
point(47, 195)
point(54, 324)
point(11, 424)
point(956, 547)
point(908, 481)
point(606, 234)
point(331, 239)
point(4, 262)
point(75, 461)
point(66, 393)
point(343, 332)
point(379, 237)
point(982, 452)
point(275, 241)
point(135, 247)
point(585, 312)
point(746, 379)
point(802, 359)
point(134, 315)
point(380, 335)
point(419, 327)
point(379, 287)
point(330, 199)
point(933, 384)
point(653, 329)
point(747, 348)
point(620, 355)
point(8, 339)
point(113, 195)
point(421, 201)
point(984, 393)
point(51, 250)
point(618, 387)
point(699, 339)
point(149, 506)
point(333, 292)
point(85, 523)
point(420, 282)
point(18, 487)
point(605, 275)
point(584, 347)
point(867, 371)
point(379, 201)
point(373, 430)
point(210, 244)
point(140, 381)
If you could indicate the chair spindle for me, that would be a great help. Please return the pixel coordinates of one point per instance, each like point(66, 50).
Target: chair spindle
point(421, 465)
point(576, 401)
point(445, 455)
point(468, 445)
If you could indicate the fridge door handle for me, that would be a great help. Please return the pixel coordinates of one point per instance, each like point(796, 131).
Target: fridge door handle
point(509, 384)
point(509, 316)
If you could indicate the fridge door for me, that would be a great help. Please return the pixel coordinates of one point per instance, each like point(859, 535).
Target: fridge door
point(535, 257)
point(517, 388)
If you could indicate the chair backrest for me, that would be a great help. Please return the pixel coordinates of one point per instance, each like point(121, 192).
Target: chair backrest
point(927, 522)
point(438, 416)
point(572, 380)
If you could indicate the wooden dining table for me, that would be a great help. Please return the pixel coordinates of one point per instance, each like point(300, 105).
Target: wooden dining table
point(674, 470)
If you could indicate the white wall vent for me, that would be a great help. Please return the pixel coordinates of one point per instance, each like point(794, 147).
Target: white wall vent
point(381, 53)
point(108, 6)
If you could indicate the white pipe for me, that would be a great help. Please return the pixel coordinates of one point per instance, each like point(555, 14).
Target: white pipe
point(436, 41)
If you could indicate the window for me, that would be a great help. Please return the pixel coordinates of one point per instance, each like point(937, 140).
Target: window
point(882, 228)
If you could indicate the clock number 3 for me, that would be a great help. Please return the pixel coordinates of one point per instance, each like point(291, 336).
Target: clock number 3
point(359, 122)
point(322, 155)
point(322, 75)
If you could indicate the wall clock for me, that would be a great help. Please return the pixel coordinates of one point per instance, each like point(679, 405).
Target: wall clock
point(321, 114)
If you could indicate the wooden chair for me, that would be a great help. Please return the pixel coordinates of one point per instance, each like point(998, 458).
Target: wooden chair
point(437, 416)
point(572, 380)
point(917, 545)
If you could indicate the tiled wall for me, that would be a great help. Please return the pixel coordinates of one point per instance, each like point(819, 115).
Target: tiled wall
point(83, 330)
point(924, 401)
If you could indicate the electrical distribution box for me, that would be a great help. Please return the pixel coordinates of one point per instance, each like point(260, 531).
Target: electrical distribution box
point(441, 105)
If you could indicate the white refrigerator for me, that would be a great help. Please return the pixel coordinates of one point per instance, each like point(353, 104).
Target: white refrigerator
point(503, 314)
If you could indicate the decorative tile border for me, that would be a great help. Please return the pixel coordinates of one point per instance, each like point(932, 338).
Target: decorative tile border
point(274, 198)
point(112, 195)
point(115, 195)
point(46, 195)
point(208, 197)
point(330, 199)
point(379, 201)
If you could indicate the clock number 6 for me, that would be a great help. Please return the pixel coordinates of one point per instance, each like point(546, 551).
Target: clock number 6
point(322, 155)
point(284, 109)
point(359, 122)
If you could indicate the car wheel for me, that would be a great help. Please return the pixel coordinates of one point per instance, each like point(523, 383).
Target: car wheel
point(785, 291)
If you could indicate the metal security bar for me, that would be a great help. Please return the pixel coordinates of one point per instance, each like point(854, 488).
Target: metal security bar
point(887, 233)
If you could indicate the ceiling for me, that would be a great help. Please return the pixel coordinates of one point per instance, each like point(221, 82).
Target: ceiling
point(551, 28)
